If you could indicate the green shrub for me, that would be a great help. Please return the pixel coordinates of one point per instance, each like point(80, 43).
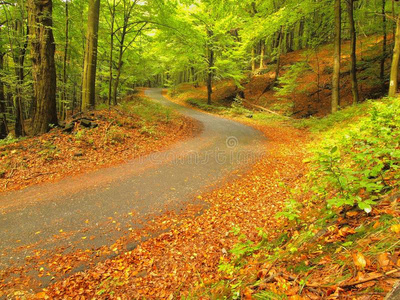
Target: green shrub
point(238, 109)
point(289, 81)
point(357, 164)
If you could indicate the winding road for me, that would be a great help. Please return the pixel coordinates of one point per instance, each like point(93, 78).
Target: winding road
point(91, 204)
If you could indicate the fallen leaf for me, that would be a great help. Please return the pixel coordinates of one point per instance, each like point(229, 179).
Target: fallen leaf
point(359, 260)
point(383, 259)
point(395, 228)
point(41, 295)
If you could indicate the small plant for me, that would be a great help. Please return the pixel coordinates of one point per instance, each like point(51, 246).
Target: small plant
point(116, 135)
point(80, 135)
point(291, 211)
point(148, 130)
point(289, 81)
point(238, 109)
point(359, 164)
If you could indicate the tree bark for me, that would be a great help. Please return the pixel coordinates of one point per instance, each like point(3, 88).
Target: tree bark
point(3, 106)
point(210, 71)
point(384, 46)
point(253, 59)
point(43, 64)
point(119, 65)
point(112, 10)
point(65, 78)
point(278, 57)
point(262, 54)
point(395, 61)
point(90, 63)
point(300, 35)
point(353, 48)
point(336, 56)
point(19, 60)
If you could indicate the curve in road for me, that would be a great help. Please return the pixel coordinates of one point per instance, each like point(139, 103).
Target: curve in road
point(83, 205)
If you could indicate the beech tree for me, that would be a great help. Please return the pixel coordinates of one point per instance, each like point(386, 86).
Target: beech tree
point(90, 62)
point(353, 48)
point(336, 56)
point(395, 61)
point(43, 64)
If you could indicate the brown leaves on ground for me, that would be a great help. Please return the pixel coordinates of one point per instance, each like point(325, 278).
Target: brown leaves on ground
point(187, 256)
point(119, 136)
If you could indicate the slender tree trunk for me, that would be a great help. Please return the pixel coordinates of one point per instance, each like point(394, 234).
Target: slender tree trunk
point(19, 60)
point(395, 61)
point(353, 55)
point(278, 57)
point(111, 54)
point(64, 100)
point(43, 64)
point(336, 57)
point(3, 106)
point(3, 102)
point(300, 36)
point(384, 46)
point(253, 60)
point(394, 18)
point(119, 66)
point(262, 54)
point(210, 68)
point(90, 64)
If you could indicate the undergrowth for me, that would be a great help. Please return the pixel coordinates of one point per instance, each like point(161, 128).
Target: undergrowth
point(346, 227)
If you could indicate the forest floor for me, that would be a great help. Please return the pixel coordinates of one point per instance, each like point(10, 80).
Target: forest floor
point(54, 230)
point(239, 248)
point(170, 265)
point(135, 128)
point(261, 235)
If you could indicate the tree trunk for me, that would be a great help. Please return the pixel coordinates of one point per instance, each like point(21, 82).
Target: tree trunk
point(90, 64)
point(262, 54)
point(19, 60)
point(300, 35)
point(43, 65)
point(384, 46)
point(278, 57)
point(394, 18)
point(395, 61)
point(253, 60)
point(111, 54)
point(64, 100)
point(336, 57)
point(119, 66)
point(353, 48)
point(210, 69)
point(3, 106)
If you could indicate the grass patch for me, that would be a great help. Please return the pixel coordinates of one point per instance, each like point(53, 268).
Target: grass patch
point(147, 110)
point(204, 106)
point(341, 118)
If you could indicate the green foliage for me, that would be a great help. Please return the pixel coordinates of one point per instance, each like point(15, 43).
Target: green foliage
point(357, 164)
point(289, 81)
point(204, 106)
point(148, 111)
point(268, 295)
point(10, 140)
point(341, 118)
point(115, 135)
point(238, 109)
point(291, 211)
